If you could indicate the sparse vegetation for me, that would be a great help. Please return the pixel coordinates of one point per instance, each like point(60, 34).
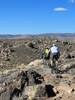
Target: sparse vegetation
point(21, 73)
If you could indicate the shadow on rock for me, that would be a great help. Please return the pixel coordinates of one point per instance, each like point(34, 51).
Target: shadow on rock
point(49, 91)
point(27, 78)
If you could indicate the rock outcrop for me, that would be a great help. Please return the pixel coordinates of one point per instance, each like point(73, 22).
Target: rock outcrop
point(35, 81)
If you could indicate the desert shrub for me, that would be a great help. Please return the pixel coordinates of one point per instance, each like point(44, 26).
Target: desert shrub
point(12, 50)
point(4, 45)
point(65, 42)
point(30, 44)
point(10, 45)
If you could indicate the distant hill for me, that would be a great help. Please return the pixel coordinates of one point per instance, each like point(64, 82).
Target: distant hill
point(9, 36)
point(6, 36)
point(58, 34)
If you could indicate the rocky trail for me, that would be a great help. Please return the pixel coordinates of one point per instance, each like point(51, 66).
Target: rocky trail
point(24, 75)
point(36, 82)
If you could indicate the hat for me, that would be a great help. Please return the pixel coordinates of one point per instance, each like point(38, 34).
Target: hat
point(54, 44)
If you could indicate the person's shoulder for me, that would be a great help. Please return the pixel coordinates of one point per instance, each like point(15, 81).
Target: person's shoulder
point(56, 46)
point(51, 47)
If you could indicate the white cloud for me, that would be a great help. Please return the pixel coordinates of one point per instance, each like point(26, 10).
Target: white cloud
point(60, 9)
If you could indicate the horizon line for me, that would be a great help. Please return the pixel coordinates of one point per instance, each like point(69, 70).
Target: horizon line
point(37, 33)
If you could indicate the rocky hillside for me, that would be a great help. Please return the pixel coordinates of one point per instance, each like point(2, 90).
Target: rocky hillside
point(36, 81)
point(14, 52)
point(24, 75)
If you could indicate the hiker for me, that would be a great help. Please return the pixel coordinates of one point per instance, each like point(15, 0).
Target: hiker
point(46, 55)
point(54, 54)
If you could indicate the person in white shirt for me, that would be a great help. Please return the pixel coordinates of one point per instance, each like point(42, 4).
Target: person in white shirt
point(54, 53)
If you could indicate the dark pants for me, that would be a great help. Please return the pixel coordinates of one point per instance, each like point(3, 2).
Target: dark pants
point(55, 56)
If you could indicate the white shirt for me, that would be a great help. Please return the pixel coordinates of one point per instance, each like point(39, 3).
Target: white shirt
point(54, 49)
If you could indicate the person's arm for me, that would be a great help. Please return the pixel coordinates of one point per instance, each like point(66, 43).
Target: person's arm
point(59, 51)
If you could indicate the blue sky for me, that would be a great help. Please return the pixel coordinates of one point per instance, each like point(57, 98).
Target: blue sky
point(37, 16)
